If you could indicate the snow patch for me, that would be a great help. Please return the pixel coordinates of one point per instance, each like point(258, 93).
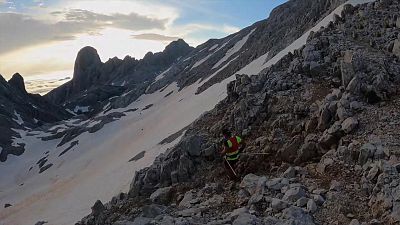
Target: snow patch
point(161, 75)
point(220, 69)
point(82, 109)
point(19, 120)
point(234, 49)
point(213, 47)
point(198, 63)
point(253, 68)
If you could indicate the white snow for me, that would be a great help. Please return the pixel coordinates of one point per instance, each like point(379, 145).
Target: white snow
point(253, 68)
point(161, 75)
point(234, 49)
point(16, 141)
point(19, 119)
point(187, 58)
point(198, 63)
point(81, 109)
point(213, 47)
point(300, 42)
point(68, 110)
point(219, 70)
point(61, 126)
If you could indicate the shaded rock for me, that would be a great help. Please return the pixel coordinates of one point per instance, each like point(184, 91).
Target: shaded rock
point(335, 186)
point(349, 124)
point(289, 173)
point(276, 183)
point(7, 205)
point(162, 195)
point(318, 199)
point(396, 47)
point(311, 206)
point(97, 208)
point(288, 152)
point(246, 219)
point(346, 68)
point(354, 222)
point(153, 210)
point(249, 183)
point(297, 216)
point(366, 151)
point(17, 81)
point(301, 202)
point(294, 193)
point(278, 205)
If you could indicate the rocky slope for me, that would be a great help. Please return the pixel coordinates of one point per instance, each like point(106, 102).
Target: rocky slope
point(22, 111)
point(326, 119)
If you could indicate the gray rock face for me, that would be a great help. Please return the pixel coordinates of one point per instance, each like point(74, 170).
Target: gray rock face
point(161, 195)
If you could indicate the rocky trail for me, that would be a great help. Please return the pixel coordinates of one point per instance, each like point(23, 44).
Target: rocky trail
point(327, 117)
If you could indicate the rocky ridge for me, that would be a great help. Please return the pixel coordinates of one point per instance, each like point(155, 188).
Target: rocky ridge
point(22, 111)
point(326, 118)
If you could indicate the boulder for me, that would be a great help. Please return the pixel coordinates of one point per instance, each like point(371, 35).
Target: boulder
point(297, 216)
point(366, 151)
point(153, 210)
point(162, 195)
point(276, 183)
point(289, 173)
point(246, 219)
point(311, 206)
point(307, 152)
point(354, 222)
point(192, 145)
point(288, 152)
point(249, 183)
point(278, 205)
point(301, 202)
point(349, 124)
point(293, 194)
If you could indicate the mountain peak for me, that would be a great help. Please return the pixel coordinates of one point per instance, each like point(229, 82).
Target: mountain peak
point(85, 69)
point(87, 57)
point(178, 44)
point(17, 81)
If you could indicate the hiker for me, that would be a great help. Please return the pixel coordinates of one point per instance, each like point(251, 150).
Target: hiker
point(232, 147)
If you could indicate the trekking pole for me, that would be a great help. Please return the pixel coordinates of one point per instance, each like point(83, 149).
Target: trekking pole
point(230, 167)
point(256, 153)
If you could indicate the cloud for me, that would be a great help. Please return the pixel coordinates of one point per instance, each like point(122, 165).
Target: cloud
point(19, 30)
point(155, 37)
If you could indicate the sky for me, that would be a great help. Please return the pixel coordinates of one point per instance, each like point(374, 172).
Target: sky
point(40, 38)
